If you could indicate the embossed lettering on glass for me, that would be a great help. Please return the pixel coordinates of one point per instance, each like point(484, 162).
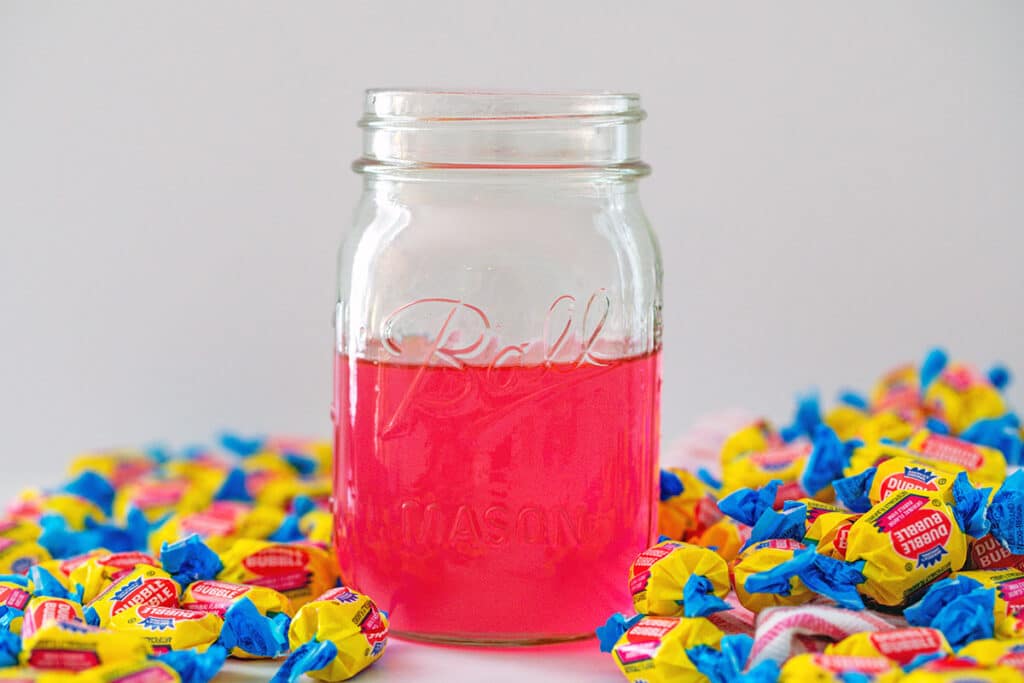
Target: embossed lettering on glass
point(497, 369)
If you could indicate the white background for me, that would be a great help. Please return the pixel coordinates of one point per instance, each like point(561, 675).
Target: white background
point(836, 188)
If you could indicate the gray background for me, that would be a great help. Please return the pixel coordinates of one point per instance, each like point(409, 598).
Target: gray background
point(836, 188)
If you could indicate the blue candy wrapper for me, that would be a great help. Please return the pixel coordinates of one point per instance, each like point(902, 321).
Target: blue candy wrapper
point(234, 487)
point(193, 666)
point(970, 506)
point(1001, 433)
point(791, 522)
point(670, 484)
point(827, 460)
point(699, 599)
point(310, 656)
point(249, 630)
point(825, 575)
point(747, 505)
point(959, 606)
point(94, 488)
point(806, 419)
point(289, 529)
point(612, 630)
point(46, 585)
point(1006, 513)
point(190, 560)
point(853, 491)
point(10, 648)
point(727, 664)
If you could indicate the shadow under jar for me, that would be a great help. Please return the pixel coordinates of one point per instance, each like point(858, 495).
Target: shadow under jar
point(497, 369)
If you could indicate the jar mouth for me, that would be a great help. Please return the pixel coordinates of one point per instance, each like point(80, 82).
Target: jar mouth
point(383, 104)
point(498, 129)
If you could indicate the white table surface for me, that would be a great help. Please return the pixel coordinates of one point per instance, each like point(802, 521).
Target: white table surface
point(407, 661)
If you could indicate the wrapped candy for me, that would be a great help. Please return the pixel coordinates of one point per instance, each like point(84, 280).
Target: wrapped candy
point(144, 585)
point(678, 579)
point(242, 631)
point(901, 645)
point(822, 668)
point(906, 541)
point(334, 637)
point(984, 465)
point(762, 557)
point(95, 572)
point(300, 571)
point(73, 646)
point(687, 505)
point(659, 649)
point(217, 597)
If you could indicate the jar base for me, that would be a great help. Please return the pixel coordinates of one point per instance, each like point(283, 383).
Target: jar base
point(468, 640)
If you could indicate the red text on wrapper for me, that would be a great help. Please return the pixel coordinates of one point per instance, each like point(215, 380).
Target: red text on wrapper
point(904, 644)
point(910, 479)
point(279, 567)
point(916, 531)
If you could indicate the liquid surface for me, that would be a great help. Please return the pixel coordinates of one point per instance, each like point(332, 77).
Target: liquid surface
point(495, 504)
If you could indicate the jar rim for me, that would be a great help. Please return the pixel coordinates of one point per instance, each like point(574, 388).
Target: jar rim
point(480, 104)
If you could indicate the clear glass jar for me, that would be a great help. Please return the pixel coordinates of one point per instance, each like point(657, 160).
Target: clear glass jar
point(497, 382)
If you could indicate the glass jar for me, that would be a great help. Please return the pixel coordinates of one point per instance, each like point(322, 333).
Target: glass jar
point(497, 370)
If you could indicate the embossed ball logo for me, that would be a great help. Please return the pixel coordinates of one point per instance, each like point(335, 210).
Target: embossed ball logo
point(277, 559)
point(910, 479)
point(917, 532)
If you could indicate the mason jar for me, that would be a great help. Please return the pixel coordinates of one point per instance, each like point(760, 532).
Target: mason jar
point(497, 369)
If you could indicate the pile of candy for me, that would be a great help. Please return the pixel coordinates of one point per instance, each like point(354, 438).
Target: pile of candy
point(148, 567)
point(879, 541)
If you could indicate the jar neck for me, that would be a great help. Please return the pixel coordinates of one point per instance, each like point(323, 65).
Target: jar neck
point(463, 185)
point(494, 132)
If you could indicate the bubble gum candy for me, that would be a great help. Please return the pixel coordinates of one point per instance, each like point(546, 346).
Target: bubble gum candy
point(95, 572)
point(217, 596)
point(73, 646)
point(243, 631)
point(177, 667)
point(678, 579)
point(144, 585)
point(762, 557)
point(118, 466)
point(334, 637)
point(40, 611)
point(906, 542)
point(988, 553)
point(956, 670)
point(725, 537)
point(19, 529)
point(17, 556)
point(831, 532)
point(299, 570)
point(223, 520)
point(901, 645)
point(658, 649)
point(973, 605)
point(992, 652)
point(862, 491)
point(984, 465)
point(687, 505)
point(756, 437)
point(961, 396)
point(822, 668)
point(756, 469)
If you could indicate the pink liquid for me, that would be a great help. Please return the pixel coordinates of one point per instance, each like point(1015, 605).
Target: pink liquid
point(495, 505)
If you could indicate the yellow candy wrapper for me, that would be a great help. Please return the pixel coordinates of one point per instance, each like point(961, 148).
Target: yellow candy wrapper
point(756, 437)
point(19, 529)
point(984, 466)
point(822, 668)
point(95, 572)
point(158, 497)
point(898, 388)
point(1008, 610)
point(960, 396)
point(889, 425)
point(992, 652)
point(75, 510)
point(846, 420)
point(725, 537)
point(906, 542)
point(901, 645)
point(959, 670)
point(16, 557)
point(655, 649)
point(299, 570)
point(118, 466)
point(334, 637)
point(760, 557)
point(21, 674)
point(144, 585)
point(756, 469)
point(73, 646)
point(679, 579)
point(14, 594)
point(194, 667)
point(831, 531)
point(687, 505)
point(222, 520)
point(40, 611)
point(217, 596)
point(168, 628)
